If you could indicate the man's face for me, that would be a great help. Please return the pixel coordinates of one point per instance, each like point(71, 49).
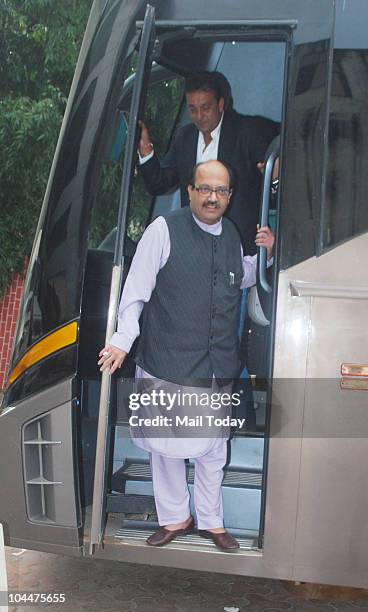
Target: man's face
point(204, 109)
point(210, 207)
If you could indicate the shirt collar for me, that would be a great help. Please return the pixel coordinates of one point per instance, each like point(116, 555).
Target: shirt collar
point(216, 132)
point(214, 228)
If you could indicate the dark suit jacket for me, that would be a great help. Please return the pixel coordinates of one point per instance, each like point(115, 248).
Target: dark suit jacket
point(243, 143)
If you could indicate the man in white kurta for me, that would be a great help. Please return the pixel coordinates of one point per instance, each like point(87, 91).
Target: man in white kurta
point(209, 194)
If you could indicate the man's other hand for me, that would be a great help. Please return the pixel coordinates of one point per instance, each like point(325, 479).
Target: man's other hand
point(275, 169)
point(265, 238)
point(111, 357)
point(145, 145)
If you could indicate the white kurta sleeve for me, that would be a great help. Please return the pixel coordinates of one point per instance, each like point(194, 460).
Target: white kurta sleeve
point(250, 269)
point(151, 255)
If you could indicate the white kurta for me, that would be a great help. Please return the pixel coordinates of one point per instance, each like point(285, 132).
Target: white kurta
point(152, 254)
point(166, 454)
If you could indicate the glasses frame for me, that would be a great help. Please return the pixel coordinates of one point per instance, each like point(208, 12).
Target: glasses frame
point(212, 190)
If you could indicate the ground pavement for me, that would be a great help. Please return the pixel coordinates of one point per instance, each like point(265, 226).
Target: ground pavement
point(94, 585)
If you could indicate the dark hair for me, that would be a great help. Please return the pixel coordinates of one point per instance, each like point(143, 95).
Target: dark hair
point(229, 169)
point(225, 89)
point(203, 81)
point(210, 81)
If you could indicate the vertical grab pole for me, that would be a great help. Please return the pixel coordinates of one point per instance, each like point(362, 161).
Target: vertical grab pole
point(103, 420)
point(262, 252)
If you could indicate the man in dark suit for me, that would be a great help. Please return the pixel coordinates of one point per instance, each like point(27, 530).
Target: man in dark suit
point(218, 132)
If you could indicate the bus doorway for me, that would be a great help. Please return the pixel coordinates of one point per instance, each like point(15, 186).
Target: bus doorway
point(130, 494)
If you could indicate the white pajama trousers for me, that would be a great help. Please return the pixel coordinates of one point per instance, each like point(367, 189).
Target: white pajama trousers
point(171, 490)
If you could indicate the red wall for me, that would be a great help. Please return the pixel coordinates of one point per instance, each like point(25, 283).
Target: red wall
point(9, 308)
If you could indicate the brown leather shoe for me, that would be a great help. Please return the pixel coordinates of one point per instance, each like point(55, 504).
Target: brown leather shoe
point(223, 540)
point(163, 536)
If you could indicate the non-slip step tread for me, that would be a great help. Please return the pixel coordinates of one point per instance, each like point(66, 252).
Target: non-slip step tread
point(191, 539)
point(142, 472)
point(131, 503)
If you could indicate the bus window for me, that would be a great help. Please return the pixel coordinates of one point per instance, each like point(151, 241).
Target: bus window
point(346, 212)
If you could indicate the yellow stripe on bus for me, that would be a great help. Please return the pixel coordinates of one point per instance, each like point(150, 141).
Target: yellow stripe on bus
point(50, 344)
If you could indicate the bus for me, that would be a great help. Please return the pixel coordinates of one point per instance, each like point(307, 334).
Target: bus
point(295, 486)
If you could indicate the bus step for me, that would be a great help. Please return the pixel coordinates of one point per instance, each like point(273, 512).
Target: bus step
point(193, 539)
point(130, 504)
point(139, 471)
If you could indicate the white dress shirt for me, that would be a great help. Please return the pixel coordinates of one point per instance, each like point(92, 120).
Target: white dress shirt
point(204, 153)
point(209, 152)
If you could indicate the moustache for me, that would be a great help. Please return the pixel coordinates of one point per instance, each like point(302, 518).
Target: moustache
point(213, 204)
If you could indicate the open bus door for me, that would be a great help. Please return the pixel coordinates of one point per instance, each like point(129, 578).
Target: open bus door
point(144, 61)
point(41, 478)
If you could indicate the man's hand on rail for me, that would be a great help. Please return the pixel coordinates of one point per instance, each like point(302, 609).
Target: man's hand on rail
point(111, 357)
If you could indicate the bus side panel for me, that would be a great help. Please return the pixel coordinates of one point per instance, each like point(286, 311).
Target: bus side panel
point(316, 335)
point(40, 472)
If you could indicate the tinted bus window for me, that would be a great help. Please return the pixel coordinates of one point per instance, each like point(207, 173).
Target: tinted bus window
point(346, 212)
point(53, 287)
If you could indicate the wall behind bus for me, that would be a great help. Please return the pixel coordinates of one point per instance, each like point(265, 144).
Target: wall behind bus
point(9, 309)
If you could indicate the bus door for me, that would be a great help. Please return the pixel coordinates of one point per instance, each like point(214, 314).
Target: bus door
point(41, 477)
point(143, 68)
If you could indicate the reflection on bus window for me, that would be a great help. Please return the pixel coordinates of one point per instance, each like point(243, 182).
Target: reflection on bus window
point(346, 213)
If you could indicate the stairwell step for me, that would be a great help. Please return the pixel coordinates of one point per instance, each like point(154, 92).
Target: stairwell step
point(142, 471)
point(130, 504)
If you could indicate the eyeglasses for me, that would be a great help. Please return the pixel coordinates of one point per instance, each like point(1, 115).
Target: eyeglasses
point(206, 190)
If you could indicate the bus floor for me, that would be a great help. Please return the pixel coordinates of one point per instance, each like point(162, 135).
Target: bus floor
point(94, 585)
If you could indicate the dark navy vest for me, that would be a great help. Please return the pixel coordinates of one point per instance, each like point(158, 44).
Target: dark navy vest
point(190, 325)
